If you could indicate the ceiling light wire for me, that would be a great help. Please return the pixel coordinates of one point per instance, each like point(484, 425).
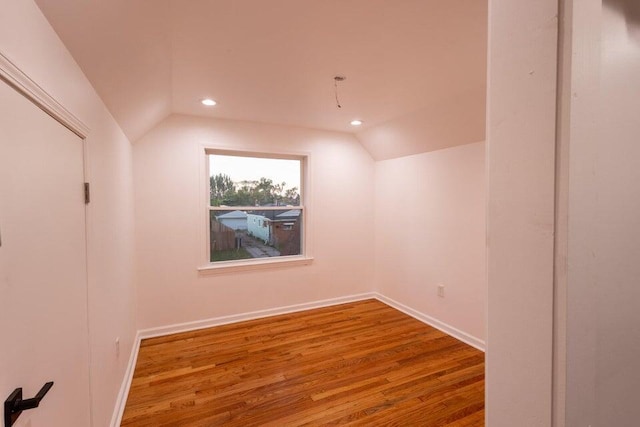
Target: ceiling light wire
point(336, 79)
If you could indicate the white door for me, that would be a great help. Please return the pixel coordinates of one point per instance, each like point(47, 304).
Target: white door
point(43, 283)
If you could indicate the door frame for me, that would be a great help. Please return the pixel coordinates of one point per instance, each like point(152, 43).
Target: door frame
point(15, 78)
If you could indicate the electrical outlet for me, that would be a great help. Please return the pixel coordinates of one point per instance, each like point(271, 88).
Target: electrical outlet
point(117, 346)
point(441, 291)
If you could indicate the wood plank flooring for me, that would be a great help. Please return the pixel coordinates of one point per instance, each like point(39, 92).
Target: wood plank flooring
point(360, 364)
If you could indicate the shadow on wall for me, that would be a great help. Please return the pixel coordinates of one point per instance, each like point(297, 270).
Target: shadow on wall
point(631, 11)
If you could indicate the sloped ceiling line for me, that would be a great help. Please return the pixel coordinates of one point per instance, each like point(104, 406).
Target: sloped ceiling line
point(416, 69)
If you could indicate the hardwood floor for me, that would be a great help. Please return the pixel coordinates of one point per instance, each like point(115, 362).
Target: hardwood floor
point(363, 363)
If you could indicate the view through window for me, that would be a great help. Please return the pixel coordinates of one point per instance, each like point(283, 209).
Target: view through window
point(255, 207)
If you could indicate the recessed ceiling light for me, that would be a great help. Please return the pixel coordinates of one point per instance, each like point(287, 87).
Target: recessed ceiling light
point(208, 102)
point(356, 122)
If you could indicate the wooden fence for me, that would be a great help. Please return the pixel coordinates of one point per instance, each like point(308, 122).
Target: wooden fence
point(222, 237)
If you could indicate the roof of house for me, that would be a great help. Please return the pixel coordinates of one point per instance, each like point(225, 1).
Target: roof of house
point(270, 214)
point(289, 214)
point(233, 215)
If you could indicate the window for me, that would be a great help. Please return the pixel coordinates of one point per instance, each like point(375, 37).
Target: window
point(255, 207)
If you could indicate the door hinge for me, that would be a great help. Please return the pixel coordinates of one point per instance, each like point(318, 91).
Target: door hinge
point(87, 193)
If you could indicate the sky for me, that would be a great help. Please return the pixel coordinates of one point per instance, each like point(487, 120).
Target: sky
point(254, 168)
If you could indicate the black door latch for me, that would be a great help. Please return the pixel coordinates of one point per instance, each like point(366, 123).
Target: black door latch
point(15, 404)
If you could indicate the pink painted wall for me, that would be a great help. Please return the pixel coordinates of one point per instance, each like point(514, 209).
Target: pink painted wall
point(432, 128)
point(430, 230)
point(169, 216)
point(29, 41)
point(521, 145)
point(112, 295)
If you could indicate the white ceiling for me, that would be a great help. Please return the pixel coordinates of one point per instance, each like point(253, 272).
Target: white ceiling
point(415, 69)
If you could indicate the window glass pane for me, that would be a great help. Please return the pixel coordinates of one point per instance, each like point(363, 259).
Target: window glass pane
point(253, 181)
point(246, 234)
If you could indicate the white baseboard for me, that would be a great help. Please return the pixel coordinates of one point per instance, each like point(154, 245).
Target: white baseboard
point(121, 401)
point(224, 320)
point(447, 329)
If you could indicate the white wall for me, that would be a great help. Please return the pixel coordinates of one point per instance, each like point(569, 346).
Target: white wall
point(28, 40)
point(603, 309)
point(574, 327)
point(618, 222)
point(618, 219)
point(169, 217)
point(112, 294)
point(521, 117)
point(430, 230)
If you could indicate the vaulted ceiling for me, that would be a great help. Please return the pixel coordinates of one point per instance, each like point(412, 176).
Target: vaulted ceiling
point(415, 69)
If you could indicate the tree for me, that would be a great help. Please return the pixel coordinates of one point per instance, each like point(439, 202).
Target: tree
point(251, 193)
point(242, 197)
point(221, 186)
point(264, 192)
point(291, 196)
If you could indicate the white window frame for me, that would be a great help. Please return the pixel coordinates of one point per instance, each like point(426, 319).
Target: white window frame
point(305, 258)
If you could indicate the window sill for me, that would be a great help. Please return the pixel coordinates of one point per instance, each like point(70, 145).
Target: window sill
point(265, 263)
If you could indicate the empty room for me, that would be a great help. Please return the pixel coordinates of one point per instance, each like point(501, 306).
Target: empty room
point(305, 212)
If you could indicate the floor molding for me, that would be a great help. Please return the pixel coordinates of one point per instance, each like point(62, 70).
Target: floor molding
point(224, 320)
point(121, 400)
point(447, 329)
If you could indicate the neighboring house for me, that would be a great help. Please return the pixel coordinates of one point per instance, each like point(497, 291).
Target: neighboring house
point(260, 221)
point(285, 236)
point(288, 219)
point(258, 227)
point(290, 216)
point(234, 219)
point(282, 232)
